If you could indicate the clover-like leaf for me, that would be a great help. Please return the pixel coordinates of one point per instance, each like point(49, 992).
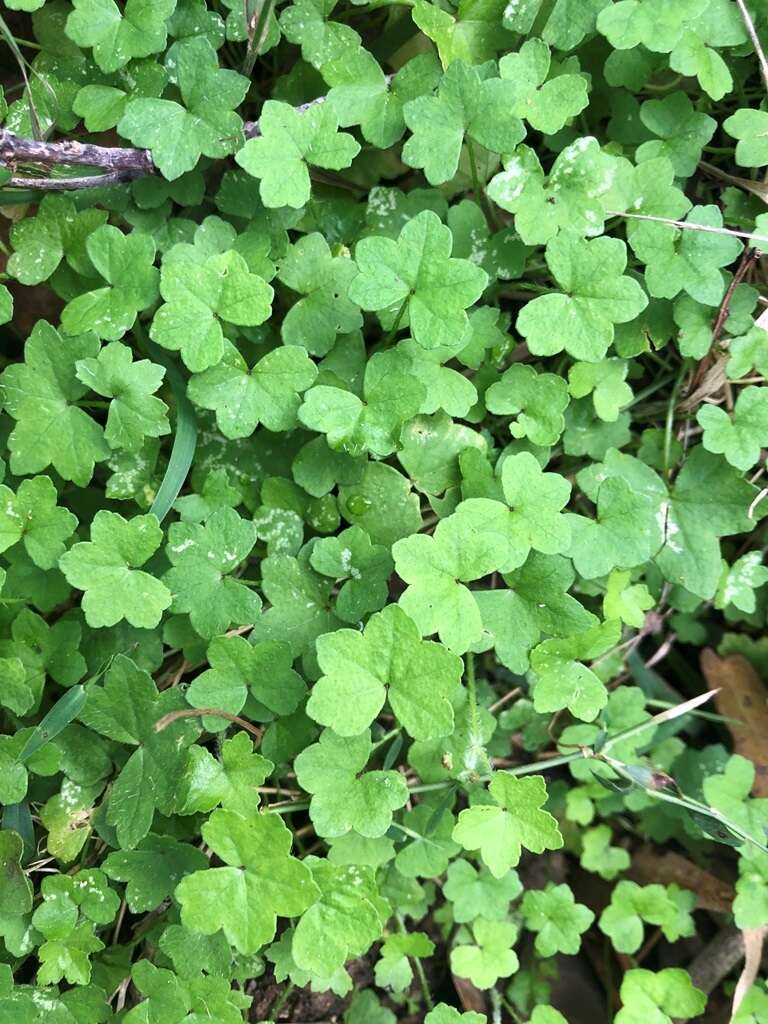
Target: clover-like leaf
point(545, 105)
point(207, 124)
point(58, 231)
point(490, 957)
point(33, 515)
point(537, 400)
point(125, 709)
point(343, 922)
point(466, 103)
point(741, 435)
point(563, 681)
point(322, 279)
point(198, 297)
point(259, 881)
point(203, 556)
point(596, 295)
point(134, 412)
point(41, 395)
point(388, 661)
point(391, 396)
point(573, 196)
point(414, 280)
point(515, 820)
point(267, 393)
point(557, 919)
point(289, 142)
point(344, 795)
point(107, 568)
point(118, 35)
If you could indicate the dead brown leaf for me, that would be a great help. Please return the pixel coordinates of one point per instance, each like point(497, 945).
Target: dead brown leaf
point(650, 865)
point(743, 698)
point(753, 952)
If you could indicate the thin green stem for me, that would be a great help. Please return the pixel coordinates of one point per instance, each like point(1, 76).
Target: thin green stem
point(669, 424)
point(418, 968)
point(385, 738)
point(474, 723)
point(281, 1000)
point(552, 762)
point(395, 326)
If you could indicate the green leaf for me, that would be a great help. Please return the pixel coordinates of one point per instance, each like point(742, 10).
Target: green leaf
point(515, 820)
point(361, 95)
point(661, 996)
point(41, 395)
point(203, 556)
point(556, 918)
point(562, 681)
point(388, 661)
point(476, 893)
point(199, 297)
point(344, 921)
point(365, 568)
point(632, 904)
point(596, 296)
point(289, 142)
point(414, 280)
point(546, 105)
point(15, 887)
point(106, 568)
point(268, 393)
point(625, 533)
point(444, 1014)
point(153, 870)
point(392, 395)
point(58, 231)
point(491, 957)
point(125, 263)
point(344, 796)
point(467, 103)
point(681, 132)
point(239, 668)
point(116, 36)
point(322, 279)
point(686, 260)
point(750, 127)
point(125, 709)
point(207, 124)
point(740, 435)
point(134, 412)
point(538, 401)
point(259, 881)
point(32, 515)
point(625, 601)
point(573, 196)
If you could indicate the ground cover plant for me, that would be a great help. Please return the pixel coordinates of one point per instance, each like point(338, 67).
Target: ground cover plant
point(384, 417)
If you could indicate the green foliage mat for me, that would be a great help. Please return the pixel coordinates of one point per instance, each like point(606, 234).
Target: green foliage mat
point(399, 395)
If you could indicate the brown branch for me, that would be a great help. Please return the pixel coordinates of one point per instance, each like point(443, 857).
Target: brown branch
point(748, 258)
point(122, 164)
point(67, 184)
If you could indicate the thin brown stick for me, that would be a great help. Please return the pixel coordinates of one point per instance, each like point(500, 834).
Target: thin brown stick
point(174, 716)
point(752, 33)
point(748, 258)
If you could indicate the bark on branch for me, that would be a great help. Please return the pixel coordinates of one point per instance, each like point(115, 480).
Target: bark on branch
point(120, 164)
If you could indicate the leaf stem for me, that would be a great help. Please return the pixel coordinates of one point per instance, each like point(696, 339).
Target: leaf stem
point(418, 968)
point(670, 421)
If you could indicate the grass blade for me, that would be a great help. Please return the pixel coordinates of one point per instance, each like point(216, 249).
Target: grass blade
point(61, 714)
point(184, 441)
